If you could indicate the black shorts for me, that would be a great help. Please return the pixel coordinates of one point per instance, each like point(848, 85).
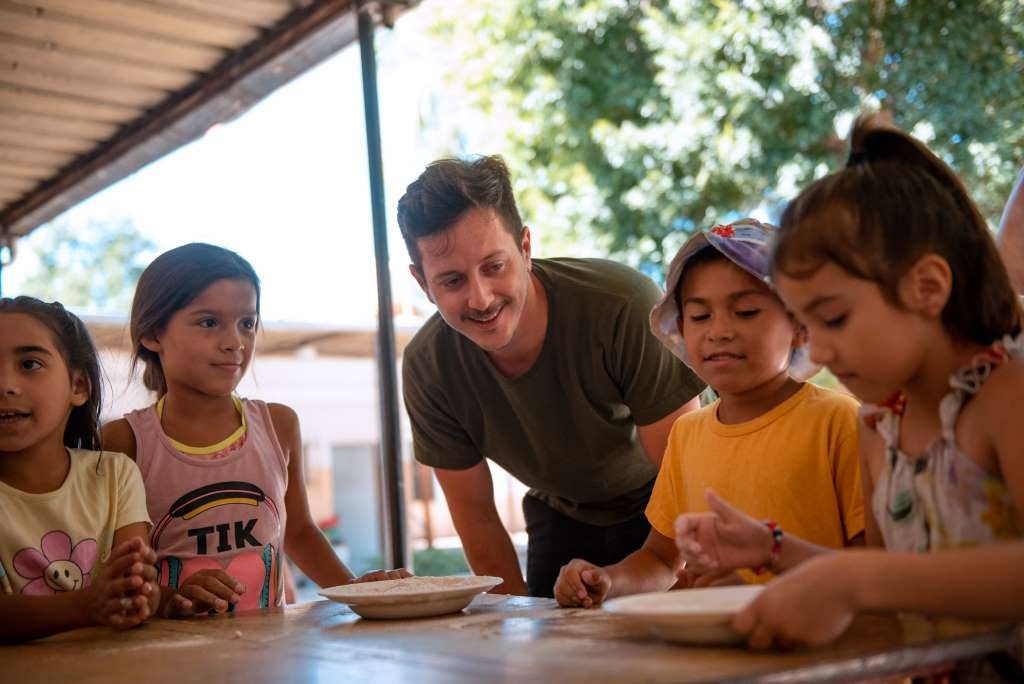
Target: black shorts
point(555, 539)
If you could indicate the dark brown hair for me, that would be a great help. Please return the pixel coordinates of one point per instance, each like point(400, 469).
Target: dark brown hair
point(893, 203)
point(169, 284)
point(446, 190)
point(79, 353)
point(705, 255)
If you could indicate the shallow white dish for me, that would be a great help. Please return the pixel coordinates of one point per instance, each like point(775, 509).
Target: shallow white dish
point(693, 616)
point(411, 597)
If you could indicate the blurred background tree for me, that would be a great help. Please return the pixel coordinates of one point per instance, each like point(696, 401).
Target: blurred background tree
point(632, 122)
point(95, 265)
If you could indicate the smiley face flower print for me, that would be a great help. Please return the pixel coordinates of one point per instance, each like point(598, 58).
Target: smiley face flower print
point(56, 565)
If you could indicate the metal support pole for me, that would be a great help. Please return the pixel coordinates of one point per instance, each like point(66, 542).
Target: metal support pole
point(390, 433)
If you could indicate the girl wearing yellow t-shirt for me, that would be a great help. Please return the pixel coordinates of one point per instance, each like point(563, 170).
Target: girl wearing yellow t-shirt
point(71, 545)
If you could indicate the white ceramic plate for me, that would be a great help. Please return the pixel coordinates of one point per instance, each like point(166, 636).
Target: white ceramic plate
point(694, 616)
point(411, 597)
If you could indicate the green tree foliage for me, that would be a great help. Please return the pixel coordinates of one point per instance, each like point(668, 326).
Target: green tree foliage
point(632, 122)
point(94, 266)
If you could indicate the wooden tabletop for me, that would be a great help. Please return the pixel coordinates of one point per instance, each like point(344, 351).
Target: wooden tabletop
point(497, 638)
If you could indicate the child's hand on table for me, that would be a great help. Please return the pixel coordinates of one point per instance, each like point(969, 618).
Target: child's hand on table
point(206, 590)
point(812, 604)
point(582, 584)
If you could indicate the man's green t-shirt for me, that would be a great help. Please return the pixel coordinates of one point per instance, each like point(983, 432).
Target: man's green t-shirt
point(567, 427)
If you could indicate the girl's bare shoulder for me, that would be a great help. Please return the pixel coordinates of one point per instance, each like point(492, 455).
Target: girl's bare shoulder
point(117, 435)
point(1003, 390)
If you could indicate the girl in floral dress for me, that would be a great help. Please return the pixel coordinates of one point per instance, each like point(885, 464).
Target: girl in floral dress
point(892, 269)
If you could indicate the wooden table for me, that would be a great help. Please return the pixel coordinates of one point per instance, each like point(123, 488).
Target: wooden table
point(497, 639)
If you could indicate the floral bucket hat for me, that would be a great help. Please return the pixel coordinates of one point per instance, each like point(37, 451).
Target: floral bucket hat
point(747, 243)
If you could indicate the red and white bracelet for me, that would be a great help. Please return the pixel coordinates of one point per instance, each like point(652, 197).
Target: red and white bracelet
point(773, 555)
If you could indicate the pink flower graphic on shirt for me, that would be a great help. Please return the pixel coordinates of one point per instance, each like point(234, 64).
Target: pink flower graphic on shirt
point(58, 566)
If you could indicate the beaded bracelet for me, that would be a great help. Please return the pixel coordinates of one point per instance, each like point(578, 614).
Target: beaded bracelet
point(773, 555)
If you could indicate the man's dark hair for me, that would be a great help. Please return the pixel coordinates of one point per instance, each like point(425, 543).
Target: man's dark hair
point(446, 190)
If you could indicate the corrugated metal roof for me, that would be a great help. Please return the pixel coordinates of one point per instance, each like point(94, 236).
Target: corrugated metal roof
point(92, 90)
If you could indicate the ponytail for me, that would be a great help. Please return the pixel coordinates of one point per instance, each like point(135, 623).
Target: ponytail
point(894, 202)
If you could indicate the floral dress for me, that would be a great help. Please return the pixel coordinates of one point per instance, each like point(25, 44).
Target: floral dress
point(942, 499)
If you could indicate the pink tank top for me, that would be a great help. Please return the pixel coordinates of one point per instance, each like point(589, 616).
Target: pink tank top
point(224, 512)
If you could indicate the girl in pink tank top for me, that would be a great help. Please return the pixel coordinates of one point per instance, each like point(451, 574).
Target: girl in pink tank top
point(223, 475)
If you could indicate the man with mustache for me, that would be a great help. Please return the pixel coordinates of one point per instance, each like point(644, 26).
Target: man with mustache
point(545, 366)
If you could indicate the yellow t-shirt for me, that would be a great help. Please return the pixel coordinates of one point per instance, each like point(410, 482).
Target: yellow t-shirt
point(796, 464)
point(52, 542)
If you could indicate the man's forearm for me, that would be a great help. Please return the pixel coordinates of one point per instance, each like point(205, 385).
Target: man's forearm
point(489, 551)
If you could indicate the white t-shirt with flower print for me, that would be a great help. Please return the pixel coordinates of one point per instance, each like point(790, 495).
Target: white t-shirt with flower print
point(53, 542)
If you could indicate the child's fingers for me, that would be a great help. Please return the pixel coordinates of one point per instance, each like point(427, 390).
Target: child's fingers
point(722, 508)
point(685, 526)
point(148, 555)
point(595, 578)
point(696, 559)
point(220, 584)
point(761, 637)
point(565, 595)
point(136, 609)
point(129, 546)
point(117, 567)
point(204, 600)
point(690, 548)
point(575, 583)
point(570, 583)
point(746, 618)
point(140, 608)
point(147, 572)
point(113, 607)
point(124, 585)
point(401, 573)
point(212, 580)
point(598, 584)
point(178, 607)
